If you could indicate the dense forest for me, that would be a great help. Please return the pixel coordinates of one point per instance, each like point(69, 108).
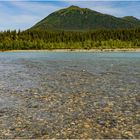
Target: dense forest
point(97, 39)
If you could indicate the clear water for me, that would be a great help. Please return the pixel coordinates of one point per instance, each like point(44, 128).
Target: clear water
point(25, 70)
point(49, 90)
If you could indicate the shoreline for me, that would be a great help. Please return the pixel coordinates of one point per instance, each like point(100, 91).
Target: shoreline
point(78, 50)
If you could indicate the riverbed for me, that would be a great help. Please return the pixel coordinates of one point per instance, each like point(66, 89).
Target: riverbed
point(69, 95)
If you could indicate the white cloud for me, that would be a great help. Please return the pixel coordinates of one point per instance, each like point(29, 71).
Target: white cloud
point(25, 14)
point(35, 7)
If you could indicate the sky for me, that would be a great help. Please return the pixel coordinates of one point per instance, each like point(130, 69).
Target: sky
point(17, 14)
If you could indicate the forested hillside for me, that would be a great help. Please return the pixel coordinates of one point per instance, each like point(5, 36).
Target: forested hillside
point(75, 18)
point(98, 39)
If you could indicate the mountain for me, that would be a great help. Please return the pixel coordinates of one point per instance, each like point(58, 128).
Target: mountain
point(76, 18)
point(132, 19)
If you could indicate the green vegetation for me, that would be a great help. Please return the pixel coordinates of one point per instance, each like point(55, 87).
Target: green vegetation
point(98, 39)
point(75, 28)
point(83, 19)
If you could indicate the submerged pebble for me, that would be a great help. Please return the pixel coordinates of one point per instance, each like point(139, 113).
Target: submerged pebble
point(77, 98)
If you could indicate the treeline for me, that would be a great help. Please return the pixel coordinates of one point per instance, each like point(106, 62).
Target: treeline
point(97, 39)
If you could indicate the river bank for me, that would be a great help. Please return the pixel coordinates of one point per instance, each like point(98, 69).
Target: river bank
point(79, 50)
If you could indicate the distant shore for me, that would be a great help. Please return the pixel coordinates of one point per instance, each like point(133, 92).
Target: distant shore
point(78, 50)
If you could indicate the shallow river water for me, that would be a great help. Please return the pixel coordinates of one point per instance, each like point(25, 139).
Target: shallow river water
point(70, 95)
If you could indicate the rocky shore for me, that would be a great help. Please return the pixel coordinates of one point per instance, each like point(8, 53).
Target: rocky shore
point(81, 50)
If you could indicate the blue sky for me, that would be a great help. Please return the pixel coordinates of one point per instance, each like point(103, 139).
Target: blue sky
point(23, 14)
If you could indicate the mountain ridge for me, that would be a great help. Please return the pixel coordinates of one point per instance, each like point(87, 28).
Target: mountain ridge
point(76, 18)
